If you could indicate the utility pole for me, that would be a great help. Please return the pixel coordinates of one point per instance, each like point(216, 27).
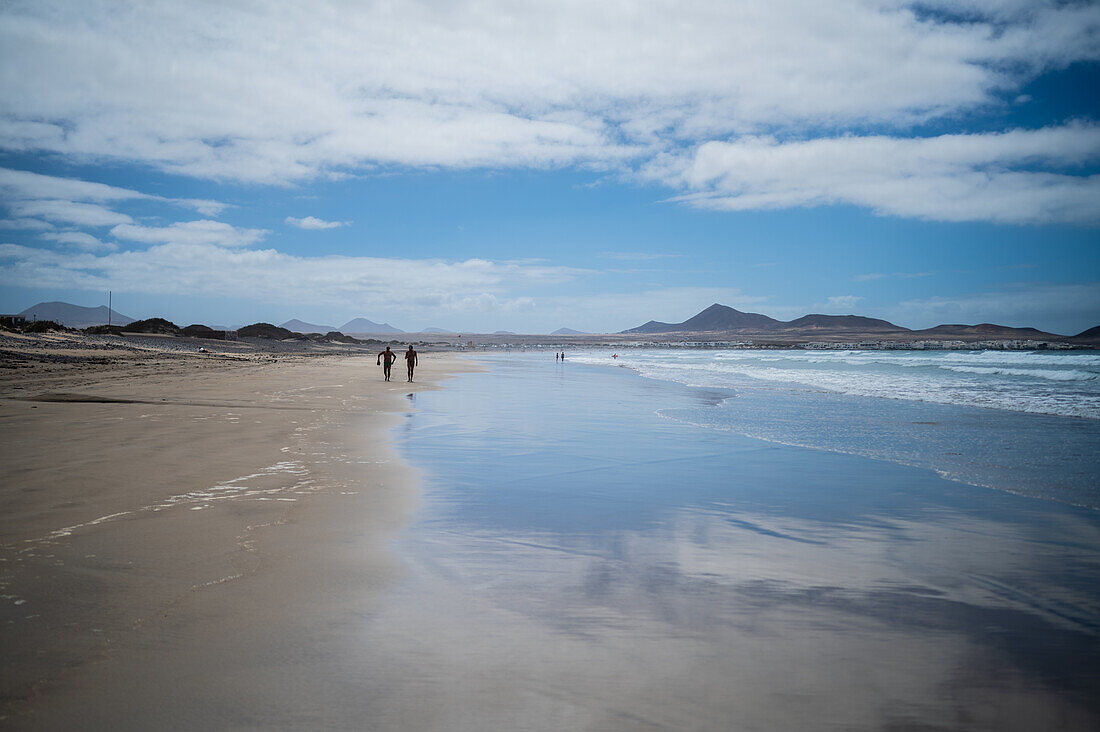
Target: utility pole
point(109, 305)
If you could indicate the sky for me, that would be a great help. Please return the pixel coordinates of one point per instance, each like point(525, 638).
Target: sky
point(507, 165)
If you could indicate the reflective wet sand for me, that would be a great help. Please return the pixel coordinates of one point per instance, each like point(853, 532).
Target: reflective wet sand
point(580, 562)
point(572, 561)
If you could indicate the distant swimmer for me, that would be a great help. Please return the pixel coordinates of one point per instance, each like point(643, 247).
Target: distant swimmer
point(410, 361)
point(386, 359)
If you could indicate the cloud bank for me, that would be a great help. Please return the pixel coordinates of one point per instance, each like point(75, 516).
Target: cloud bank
point(282, 92)
point(192, 265)
point(1003, 177)
point(190, 232)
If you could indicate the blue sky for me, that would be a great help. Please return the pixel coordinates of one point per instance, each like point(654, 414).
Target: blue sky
point(502, 166)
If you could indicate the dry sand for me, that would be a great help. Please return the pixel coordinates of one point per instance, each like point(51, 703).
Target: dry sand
point(184, 536)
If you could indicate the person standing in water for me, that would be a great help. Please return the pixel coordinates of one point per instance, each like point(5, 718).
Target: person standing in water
point(410, 361)
point(386, 359)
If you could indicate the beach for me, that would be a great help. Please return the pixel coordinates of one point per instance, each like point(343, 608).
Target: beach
point(184, 537)
point(285, 541)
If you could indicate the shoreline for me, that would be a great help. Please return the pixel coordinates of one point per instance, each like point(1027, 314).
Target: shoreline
point(173, 521)
point(931, 425)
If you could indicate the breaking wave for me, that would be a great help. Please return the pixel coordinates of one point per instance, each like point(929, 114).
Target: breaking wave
point(1064, 384)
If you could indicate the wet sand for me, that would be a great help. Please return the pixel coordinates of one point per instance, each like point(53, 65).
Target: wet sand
point(184, 542)
point(288, 542)
point(594, 565)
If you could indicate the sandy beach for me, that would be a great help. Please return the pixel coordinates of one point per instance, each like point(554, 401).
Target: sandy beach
point(183, 534)
point(275, 538)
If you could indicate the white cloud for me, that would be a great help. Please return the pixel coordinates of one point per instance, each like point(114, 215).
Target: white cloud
point(207, 88)
point(310, 222)
point(69, 212)
point(79, 239)
point(1001, 177)
point(26, 224)
point(26, 186)
point(202, 205)
point(268, 276)
point(190, 232)
point(23, 184)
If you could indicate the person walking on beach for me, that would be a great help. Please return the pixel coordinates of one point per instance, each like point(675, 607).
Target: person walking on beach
point(386, 358)
point(410, 361)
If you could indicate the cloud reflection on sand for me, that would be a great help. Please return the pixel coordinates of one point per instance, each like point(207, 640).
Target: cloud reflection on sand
point(581, 559)
point(703, 621)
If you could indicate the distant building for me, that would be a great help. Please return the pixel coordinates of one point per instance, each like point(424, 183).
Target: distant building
point(13, 321)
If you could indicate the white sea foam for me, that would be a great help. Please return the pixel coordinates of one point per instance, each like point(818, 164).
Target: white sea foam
point(1051, 374)
point(1046, 383)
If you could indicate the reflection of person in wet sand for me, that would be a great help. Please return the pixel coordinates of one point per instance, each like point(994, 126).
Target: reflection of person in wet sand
point(386, 358)
point(410, 361)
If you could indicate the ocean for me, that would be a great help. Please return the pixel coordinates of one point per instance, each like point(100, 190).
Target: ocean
point(601, 546)
point(1064, 383)
point(1025, 422)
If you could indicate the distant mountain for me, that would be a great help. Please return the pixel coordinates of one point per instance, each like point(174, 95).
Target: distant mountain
point(988, 330)
point(568, 331)
point(722, 319)
point(503, 332)
point(715, 318)
point(74, 316)
point(842, 323)
point(362, 325)
point(300, 326)
point(1092, 334)
point(437, 330)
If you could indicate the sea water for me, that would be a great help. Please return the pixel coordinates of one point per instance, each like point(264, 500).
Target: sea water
point(1025, 422)
point(596, 549)
point(1066, 384)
